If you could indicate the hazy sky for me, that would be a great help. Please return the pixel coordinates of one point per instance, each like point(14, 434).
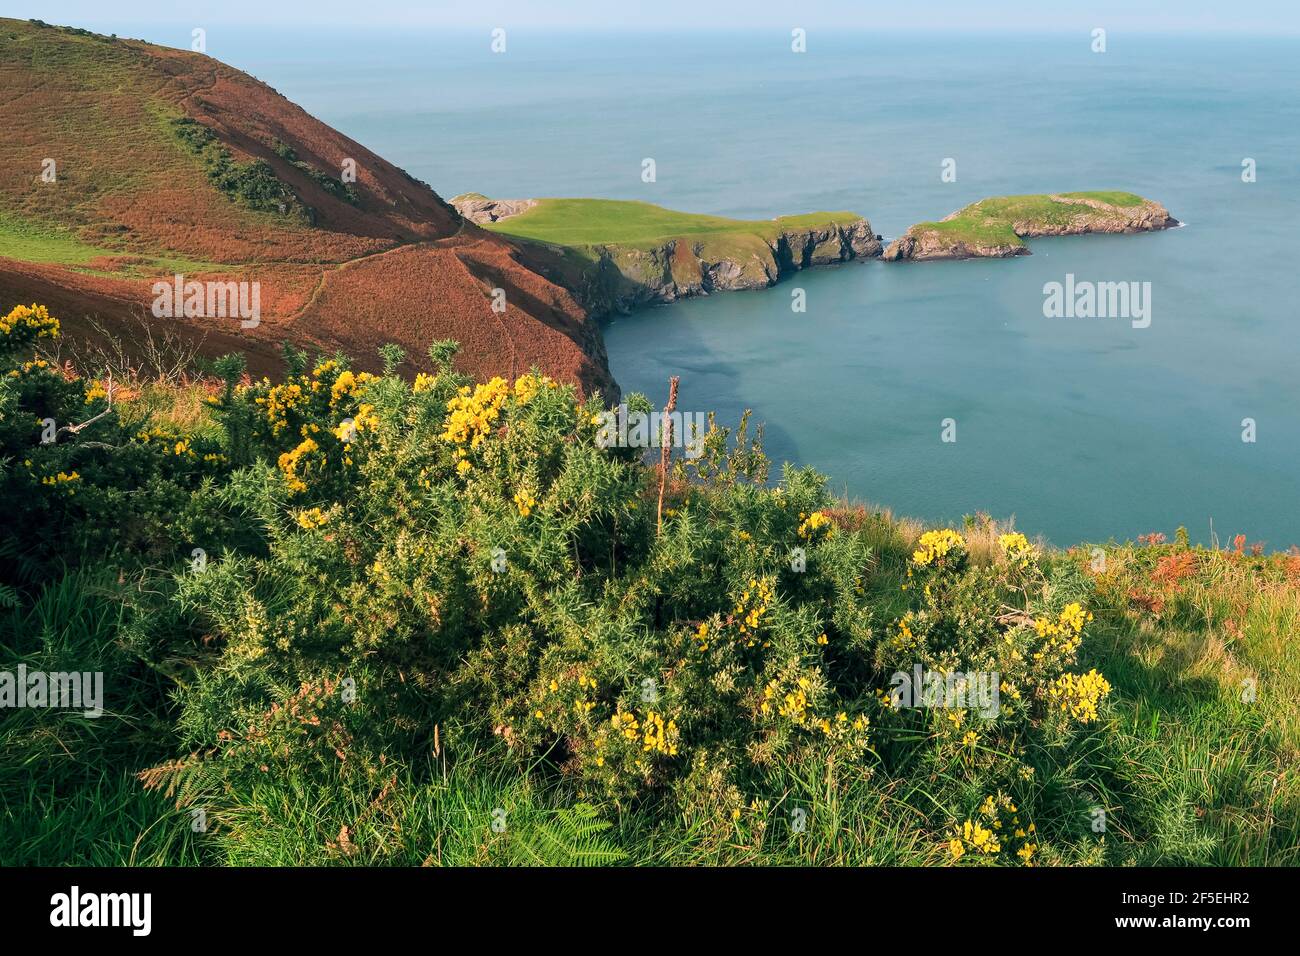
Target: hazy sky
point(1252, 16)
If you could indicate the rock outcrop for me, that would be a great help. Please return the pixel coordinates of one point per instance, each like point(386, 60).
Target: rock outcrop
point(994, 228)
point(920, 244)
point(622, 279)
point(480, 209)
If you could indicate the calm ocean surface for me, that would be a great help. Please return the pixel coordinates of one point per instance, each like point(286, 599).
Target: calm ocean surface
point(1083, 429)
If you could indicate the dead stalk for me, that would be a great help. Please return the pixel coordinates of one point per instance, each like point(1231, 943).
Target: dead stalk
point(666, 449)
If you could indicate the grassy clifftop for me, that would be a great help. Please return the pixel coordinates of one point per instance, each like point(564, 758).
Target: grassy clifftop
point(605, 222)
point(619, 254)
point(996, 227)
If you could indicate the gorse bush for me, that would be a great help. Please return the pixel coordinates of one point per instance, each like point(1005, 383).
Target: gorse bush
point(359, 580)
point(83, 478)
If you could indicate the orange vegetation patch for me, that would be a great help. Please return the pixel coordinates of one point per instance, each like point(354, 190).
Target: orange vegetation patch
point(416, 295)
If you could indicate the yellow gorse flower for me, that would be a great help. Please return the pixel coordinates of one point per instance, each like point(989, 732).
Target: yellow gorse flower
point(753, 605)
point(814, 523)
point(935, 546)
point(527, 386)
point(472, 415)
point(312, 518)
point(295, 464)
point(1017, 548)
point(1079, 694)
point(34, 320)
point(658, 736)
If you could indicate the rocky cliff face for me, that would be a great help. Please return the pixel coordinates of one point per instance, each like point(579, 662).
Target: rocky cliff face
point(479, 209)
point(623, 279)
point(613, 279)
point(920, 244)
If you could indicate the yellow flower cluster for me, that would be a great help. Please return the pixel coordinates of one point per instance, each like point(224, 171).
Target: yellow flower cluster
point(62, 478)
point(525, 502)
point(977, 837)
point(424, 382)
point(29, 367)
point(813, 523)
point(997, 827)
point(626, 723)
point(655, 734)
point(935, 546)
point(790, 696)
point(471, 415)
point(1079, 694)
point(752, 606)
point(1017, 548)
point(904, 639)
point(1064, 635)
point(348, 384)
point(280, 401)
point(793, 705)
point(526, 386)
point(312, 518)
point(95, 390)
point(35, 319)
point(658, 736)
point(296, 464)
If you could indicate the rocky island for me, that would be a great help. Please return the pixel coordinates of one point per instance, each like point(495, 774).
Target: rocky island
point(997, 227)
point(618, 255)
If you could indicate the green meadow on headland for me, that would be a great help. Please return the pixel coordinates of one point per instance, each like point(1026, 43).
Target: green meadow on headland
point(367, 619)
point(598, 222)
point(616, 255)
point(998, 225)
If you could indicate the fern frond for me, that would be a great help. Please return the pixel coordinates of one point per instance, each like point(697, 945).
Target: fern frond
point(185, 778)
point(570, 836)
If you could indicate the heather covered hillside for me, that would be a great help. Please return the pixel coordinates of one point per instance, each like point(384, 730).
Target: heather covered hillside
point(125, 163)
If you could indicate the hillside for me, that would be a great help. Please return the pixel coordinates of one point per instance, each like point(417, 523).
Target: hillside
point(996, 227)
point(167, 161)
point(617, 255)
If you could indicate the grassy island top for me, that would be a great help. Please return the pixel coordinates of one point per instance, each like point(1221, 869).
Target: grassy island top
point(992, 221)
point(591, 222)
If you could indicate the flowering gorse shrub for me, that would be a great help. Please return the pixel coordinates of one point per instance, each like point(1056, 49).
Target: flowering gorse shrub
point(393, 570)
point(81, 477)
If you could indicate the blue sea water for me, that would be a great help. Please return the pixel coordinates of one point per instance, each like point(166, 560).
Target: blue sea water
point(1082, 429)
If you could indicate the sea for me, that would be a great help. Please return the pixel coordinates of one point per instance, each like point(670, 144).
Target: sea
point(1078, 429)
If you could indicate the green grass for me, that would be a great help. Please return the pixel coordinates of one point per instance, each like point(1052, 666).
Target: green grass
point(68, 794)
point(30, 242)
point(991, 221)
point(590, 222)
